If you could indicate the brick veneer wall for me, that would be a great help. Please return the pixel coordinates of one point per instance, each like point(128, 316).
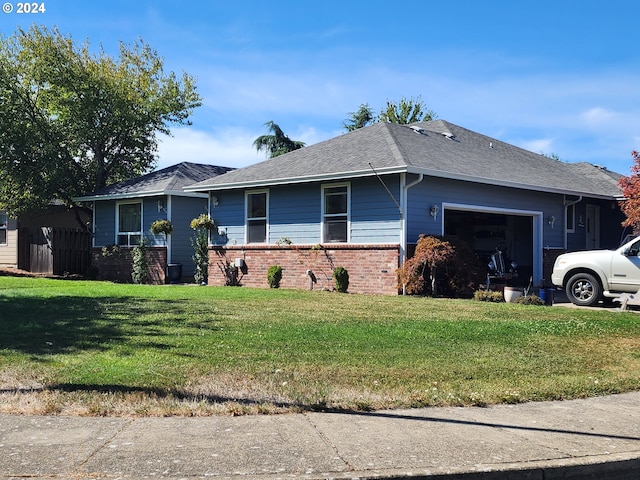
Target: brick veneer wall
point(549, 256)
point(372, 268)
point(116, 264)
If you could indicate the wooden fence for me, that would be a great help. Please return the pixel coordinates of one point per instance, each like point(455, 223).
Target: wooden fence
point(56, 251)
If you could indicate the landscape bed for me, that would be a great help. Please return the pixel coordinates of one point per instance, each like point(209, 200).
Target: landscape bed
point(98, 348)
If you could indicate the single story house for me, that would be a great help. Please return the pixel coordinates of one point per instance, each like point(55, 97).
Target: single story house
point(123, 214)
point(362, 199)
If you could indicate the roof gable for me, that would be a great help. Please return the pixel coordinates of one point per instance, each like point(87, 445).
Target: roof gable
point(170, 180)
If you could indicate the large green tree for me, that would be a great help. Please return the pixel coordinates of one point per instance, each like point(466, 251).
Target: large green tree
point(73, 121)
point(277, 143)
point(404, 111)
point(361, 118)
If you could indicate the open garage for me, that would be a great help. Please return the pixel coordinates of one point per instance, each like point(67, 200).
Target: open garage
point(507, 233)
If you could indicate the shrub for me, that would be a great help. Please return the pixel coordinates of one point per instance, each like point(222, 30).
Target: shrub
point(529, 300)
point(274, 275)
point(488, 296)
point(92, 272)
point(200, 243)
point(341, 279)
point(140, 270)
point(441, 265)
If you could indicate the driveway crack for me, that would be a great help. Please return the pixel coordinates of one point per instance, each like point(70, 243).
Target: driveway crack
point(104, 444)
point(329, 443)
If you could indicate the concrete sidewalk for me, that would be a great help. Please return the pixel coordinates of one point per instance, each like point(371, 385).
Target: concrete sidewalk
point(593, 438)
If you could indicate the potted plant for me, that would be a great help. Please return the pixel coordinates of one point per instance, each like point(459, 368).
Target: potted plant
point(162, 226)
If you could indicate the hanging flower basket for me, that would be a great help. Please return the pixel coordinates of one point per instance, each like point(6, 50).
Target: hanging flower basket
point(202, 222)
point(162, 226)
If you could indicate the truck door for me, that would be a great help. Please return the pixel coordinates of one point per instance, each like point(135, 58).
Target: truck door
point(625, 270)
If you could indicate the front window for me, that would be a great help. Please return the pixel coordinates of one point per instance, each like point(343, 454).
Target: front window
point(335, 215)
point(129, 224)
point(257, 217)
point(4, 220)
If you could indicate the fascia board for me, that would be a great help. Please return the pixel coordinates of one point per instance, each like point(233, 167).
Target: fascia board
point(296, 180)
point(126, 196)
point(519, 186)
point(388, 171)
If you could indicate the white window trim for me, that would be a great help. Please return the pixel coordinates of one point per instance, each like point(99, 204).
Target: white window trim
point(322, 203)
point(117, 225)
point(247, 219)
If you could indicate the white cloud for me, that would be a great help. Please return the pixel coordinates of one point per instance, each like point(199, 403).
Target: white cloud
point(598, 116)
point(229, 148)
point(540, 145)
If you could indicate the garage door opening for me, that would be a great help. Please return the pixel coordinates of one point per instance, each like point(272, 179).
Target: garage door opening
point(489, 232)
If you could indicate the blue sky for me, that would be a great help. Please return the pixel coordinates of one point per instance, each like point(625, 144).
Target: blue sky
point(552, 76)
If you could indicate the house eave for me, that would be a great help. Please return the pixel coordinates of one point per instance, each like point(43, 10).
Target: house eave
point(327, 177)
point(338, 176)
point(128, 196)
point(519, 186)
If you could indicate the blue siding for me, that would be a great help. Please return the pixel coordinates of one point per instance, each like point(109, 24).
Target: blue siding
point(295, 212)
point(375, 217)
point(229, 217)
point(104, 214)
point(183, 210)
point(151, 213)
point(437, 192)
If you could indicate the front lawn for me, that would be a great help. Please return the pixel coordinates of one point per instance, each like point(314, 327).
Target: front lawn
point(96, 348)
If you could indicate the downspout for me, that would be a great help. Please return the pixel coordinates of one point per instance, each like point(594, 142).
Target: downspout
point(93, 224)
point(403, 221)
point(168, 237)
point(566, 206)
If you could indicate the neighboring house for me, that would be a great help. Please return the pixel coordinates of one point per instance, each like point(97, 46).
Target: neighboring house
point(361, 200)
point(8, 241)
point(123, 214)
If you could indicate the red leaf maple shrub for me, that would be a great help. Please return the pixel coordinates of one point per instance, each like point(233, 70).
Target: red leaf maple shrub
point(631, 191)
point(450, 266)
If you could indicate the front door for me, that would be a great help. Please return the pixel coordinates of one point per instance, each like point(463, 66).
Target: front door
point(592, 227)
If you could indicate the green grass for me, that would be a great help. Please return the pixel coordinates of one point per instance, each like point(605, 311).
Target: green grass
point(98, 348)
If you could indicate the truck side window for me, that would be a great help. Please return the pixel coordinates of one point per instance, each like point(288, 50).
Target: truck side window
point(634, 249)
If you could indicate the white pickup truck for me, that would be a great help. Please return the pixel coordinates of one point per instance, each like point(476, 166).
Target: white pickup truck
point(590, 276)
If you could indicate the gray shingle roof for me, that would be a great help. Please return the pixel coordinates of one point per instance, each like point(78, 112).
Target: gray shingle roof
point(436, 148)
point(170, 180)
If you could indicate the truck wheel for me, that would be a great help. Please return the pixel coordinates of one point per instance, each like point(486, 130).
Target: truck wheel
point(583, 289)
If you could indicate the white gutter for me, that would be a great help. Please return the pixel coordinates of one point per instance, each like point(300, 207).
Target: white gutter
point(268, 182)
point(566, 206)
point(124, 196)
point(403, 216)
